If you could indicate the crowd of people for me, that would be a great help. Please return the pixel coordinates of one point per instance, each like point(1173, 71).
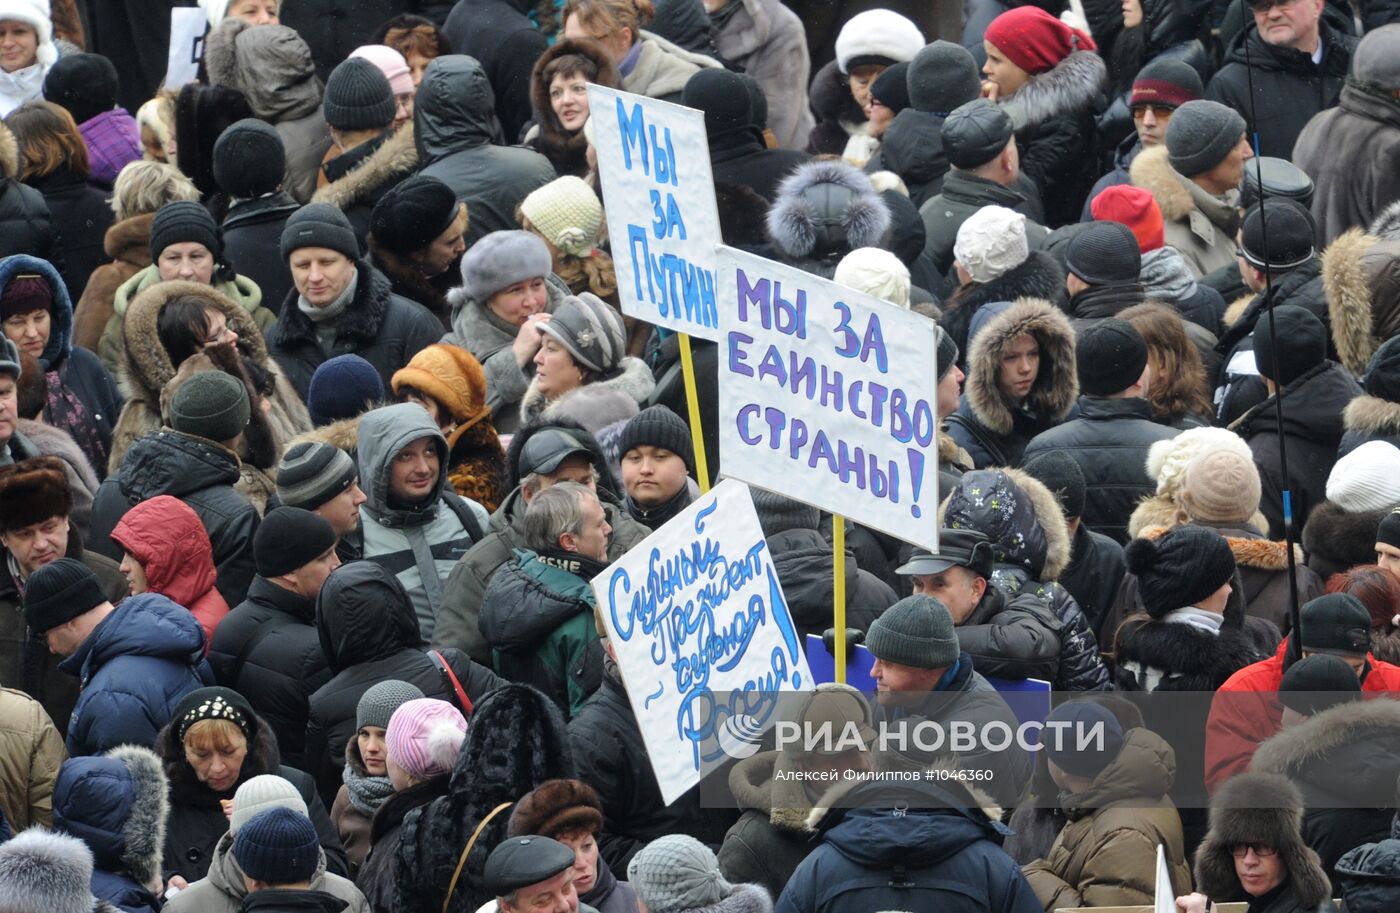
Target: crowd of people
point(319, 412)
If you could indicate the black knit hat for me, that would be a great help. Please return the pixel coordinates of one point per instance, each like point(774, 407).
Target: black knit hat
point(1059, 472)
point(1105, 254)
point(213, 703)
point(1300, 346)
point(84, 84)
point(891, 87)
point(289, 538)
point(185, 222)
point(320, 225)
point(947, 351)
point(1110, 356)
point(1185, 566)
point(310, 474)
point(1388, 531)
point(212, 405)
point(413, 214)
point(658, 426)
point(1336, 623)
point(1383, 371)
point(249, 159)
point(59, 592)
point(1278, 235)
point(975, 133)
point(1317, 683)
point(358, 97)
point(722, 97)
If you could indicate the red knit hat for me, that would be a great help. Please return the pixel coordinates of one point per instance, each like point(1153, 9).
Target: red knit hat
point(1034, 40)
point(1133, 207)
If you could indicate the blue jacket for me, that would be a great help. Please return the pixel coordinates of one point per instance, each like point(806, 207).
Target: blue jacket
point(133, 669)
point(946, 858)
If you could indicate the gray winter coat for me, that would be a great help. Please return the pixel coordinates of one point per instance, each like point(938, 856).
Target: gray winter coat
point(419, 544)
point(767, 39)
point(476, 328)
point(455, 128)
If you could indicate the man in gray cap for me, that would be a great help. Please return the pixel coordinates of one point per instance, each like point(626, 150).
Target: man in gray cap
point(1195, 179)
point(922, 676)
point(1014, 637)
point(981, 148)
point(540, 456)
point(533, 874)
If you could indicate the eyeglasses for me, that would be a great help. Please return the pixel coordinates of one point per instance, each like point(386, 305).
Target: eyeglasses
point(219, 334)
point(1160, 112)
point(1241, 850)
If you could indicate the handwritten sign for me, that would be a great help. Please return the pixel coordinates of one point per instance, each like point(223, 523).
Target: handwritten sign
point(703, 637)
point(828, 396)
point(654, 162)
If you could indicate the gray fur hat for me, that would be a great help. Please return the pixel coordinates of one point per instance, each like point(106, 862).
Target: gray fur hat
point(1261, 808)
point(824, 209)
point(44, 872)
point(591, 330)
point(501, 259)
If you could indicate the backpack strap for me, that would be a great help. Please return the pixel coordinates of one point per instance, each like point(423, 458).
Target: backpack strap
point(465, 514)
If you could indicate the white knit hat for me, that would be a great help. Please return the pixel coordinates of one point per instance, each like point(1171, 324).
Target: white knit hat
point(261, 793)
point(991, 242)
point(567, 212)
point(1366, 479)
point(1167, 460)
point(875, 272)
point(35, 14)
point(878, 33)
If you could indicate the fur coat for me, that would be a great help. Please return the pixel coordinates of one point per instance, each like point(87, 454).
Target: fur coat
point(128, 243)
point(1361, 276)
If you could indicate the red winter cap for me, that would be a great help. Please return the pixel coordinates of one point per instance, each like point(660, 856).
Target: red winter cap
point(1034, 40)
point(1133, 207)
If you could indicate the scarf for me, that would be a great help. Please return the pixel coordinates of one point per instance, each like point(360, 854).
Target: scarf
point(653, 518)
point(365, 792)
point(573, 563)
point(1165, 275)
point(65, 411)
point(21, 86)
point(325, 317)
point(1199, 619)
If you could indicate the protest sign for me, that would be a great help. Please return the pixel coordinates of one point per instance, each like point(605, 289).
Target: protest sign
point(187, 27)
point(828, 396)
point(654, 163)
point(703, 636)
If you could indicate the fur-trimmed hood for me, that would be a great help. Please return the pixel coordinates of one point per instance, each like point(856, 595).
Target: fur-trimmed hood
point(633, 379)
point(826, 208)
point(130, 240)
point(44, 870)
point(1371, 415)
point(396, 157)
point(1073, 84)
point(556, 143)
point(1386, 224)
point(1259, 808)
point(60, 344)
point(344, 434)
point(1161, 512)
point(1361, 276)
point(1018, 513)
point(117, 804)
point(1056, 387)
point(1341, 755)
point(1256, 552)
point(1175, 194)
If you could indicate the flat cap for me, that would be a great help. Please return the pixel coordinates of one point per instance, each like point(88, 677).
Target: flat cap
point(522, 861)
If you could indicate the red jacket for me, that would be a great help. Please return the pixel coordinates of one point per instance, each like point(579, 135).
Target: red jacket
point(1245, 712)
point(165, 535)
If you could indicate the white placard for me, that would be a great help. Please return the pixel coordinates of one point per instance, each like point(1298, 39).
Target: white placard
point(828, 396)
point(187, 27)
point(703, 637)
point(663, 222)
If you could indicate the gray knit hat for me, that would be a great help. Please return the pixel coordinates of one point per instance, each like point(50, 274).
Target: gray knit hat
point(916, 631)
point(778, 513)
point(942, 77)
point(947, 351)
point(320, 225)
point(1200, 134)
point(501, 259)
point(676, 873)
point(358, 96)
point(212, 405)
point(591, 330)
point(378, 704)
point(9, 358)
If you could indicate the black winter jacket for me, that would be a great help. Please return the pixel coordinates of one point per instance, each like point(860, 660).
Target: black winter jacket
point(376, 877)
point(27, 226)
point(500, 36)
point(1313, 405)
point(378, 326)
point(1012, 638)
point(369, 633)
point(252, 239)
point(202, 474)
point(333, 28)
point(912, 148)
point(1096, 568)
point(1281, 74)
point(82, 216)
point(740, 157)
point(267, 649)
point(802, 558)
point(1038, 277)
point(1109, 441)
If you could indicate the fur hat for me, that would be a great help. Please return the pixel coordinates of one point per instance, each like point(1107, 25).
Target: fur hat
point(877, 36)
point(1259, 808)
point(501, 259)
point(825, 209)
point(452, 376)
point(32, 491)
point(557, 807)
point(44, 872)
point(126, 785)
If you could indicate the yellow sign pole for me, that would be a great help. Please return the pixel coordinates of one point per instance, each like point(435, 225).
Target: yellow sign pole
point(838, 548)
point(697, 437)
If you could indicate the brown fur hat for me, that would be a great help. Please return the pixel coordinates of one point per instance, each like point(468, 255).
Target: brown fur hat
point(557, 807)
point(32, 491)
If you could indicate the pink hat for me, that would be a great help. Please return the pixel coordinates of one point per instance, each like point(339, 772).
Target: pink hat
point(391, 63)
point(424, 736)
